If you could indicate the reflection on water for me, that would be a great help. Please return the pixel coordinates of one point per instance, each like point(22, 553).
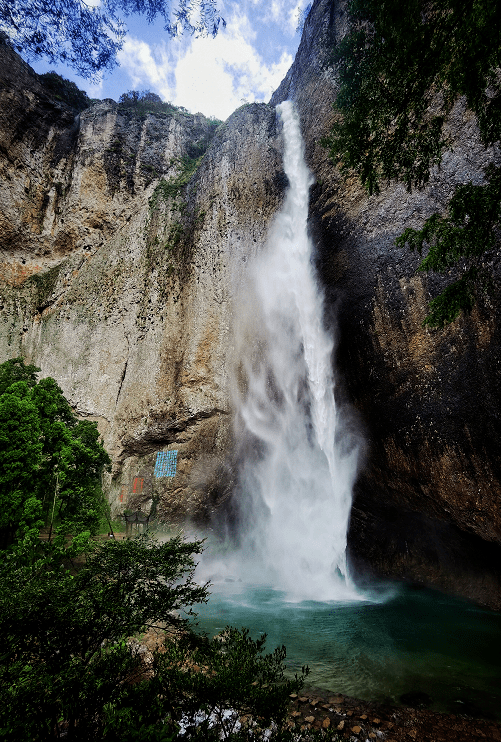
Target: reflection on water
point(419, 641)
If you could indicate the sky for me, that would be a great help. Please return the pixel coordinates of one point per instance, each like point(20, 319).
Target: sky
point(245, 62)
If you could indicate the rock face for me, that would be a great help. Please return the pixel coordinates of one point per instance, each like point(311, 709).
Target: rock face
point(428, 498)
point(119, 272)
point(118, 279)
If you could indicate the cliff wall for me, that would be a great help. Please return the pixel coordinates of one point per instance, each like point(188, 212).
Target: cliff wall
point(117, 278)
point(119, 270)
point(428, 498)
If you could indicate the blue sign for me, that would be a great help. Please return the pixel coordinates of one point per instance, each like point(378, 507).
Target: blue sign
point(166, 464)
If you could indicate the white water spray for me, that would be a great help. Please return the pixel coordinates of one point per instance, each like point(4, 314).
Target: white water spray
point(298, 475)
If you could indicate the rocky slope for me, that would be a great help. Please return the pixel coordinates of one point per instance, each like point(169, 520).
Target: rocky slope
point(120, 268)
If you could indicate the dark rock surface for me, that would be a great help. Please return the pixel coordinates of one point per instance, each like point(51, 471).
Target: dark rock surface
point(353, 719)
point(427, 402)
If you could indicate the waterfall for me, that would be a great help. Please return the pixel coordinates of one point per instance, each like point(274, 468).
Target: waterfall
point(297, 471)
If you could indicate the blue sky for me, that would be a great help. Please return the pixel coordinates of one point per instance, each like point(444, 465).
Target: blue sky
point(245, 62)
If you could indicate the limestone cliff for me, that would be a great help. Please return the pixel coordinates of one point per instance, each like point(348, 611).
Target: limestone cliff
point(122, 253)
point(117, 276)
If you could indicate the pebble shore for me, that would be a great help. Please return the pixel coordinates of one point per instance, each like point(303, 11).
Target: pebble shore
point(355, 720)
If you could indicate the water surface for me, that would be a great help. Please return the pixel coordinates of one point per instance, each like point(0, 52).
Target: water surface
point(418, 641)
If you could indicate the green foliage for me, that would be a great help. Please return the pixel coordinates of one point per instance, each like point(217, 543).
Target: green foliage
point(70, 606)
point(65, 90)
point(88, 38)
point(171, 189)
point(459, 239)
point(70, 669)
point(401, 69)
point(145, 101)
point(66, 659)
point(16, 370)
point(51, 463)
point(232, 676)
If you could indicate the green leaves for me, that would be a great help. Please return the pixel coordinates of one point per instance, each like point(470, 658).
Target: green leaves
point(70, 668)
point(50, 462)
point(88, 38)
point(230, 676)
point(386, 68)
point(20, 456)
point(459, 240)
point(67, 659)
point(70, 607)
point(401, 69)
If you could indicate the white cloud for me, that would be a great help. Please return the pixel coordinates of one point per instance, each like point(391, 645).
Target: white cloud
point(218, 74)
point(93, 90)
point(213, 76)
point(147, 67)
point(285, 13)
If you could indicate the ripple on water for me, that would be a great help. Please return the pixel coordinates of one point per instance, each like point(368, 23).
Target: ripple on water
point(419, 641)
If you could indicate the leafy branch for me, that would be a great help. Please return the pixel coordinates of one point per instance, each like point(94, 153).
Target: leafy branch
point(401, 69)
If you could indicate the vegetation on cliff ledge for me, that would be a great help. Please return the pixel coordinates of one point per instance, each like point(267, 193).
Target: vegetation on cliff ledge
point(65, 91)
point(402, 67)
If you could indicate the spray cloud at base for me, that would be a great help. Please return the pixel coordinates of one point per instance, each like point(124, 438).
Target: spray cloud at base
point(298, 465)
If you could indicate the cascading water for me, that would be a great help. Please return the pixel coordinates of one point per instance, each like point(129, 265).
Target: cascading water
point(298, 468)
point(297, 482)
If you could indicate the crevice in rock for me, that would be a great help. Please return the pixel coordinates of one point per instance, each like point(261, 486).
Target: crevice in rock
point(164, 433)
point(122, 379)
point(49, 303)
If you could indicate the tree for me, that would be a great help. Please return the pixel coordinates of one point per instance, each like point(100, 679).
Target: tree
point(71, 608)
point(65, 90)
point(66, 660)
point(71, 667)
point(51, 463)
point(88, 37)
point(401, 68)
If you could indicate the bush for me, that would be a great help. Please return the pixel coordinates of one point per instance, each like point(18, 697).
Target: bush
point(71, 668)
point(145, 101)
point(65, 91)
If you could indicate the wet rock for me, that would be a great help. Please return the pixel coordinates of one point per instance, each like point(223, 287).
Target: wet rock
point(336, 700)
point(416, 699)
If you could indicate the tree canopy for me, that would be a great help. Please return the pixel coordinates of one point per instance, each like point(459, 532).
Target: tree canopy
point(88, 37)
point(73, 609)
point(51, 463)
point(402, 67)
point(65, 90)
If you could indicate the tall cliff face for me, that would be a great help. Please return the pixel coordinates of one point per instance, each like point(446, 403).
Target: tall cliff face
point(119, 273)
point(117, 277)
point(428, 499)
